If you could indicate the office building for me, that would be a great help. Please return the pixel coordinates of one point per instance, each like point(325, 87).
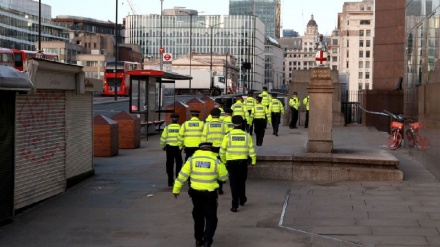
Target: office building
point(20, 25)
point(186, 32)
point(268, 11)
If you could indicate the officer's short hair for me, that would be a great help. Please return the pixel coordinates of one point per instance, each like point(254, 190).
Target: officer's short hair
point(228, 111)
point(174, 116)
point(195, 112)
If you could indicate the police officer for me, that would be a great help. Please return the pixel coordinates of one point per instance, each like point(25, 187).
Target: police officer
point(213, 132)
point(249, 102)
point(276, 110)
point(237, 147)
point(294, 106)
point(265, 97)
point(260, 113)
point(222, 112)
point(228, 120)
point(306, 103)
point(170, 143)
point(204, 169)
point(239, 109)
point(190, 134)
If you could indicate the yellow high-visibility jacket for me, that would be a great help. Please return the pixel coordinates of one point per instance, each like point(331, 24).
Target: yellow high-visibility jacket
point(204, 169)
point(190, 133)
point(213, 132)
point(170, 135)
point(237, 145)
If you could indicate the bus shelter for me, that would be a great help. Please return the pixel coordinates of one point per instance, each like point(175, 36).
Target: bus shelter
point(146, 92)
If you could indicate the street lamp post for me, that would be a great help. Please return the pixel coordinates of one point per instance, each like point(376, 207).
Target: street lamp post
point(116, 53)
point(190, 43)
point(161, 22)
point(39, 26)
point(210, 66)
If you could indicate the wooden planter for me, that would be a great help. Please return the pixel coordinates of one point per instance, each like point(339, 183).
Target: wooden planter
point(129, 130)
point(105, 136)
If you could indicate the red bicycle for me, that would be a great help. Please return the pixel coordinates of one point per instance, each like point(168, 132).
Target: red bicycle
point(414, 139)
point(396, 130)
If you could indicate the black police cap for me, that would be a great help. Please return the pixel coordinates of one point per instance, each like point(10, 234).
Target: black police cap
point(195, 112)
point(259, 98)
point(237, 119)
point(205, 145)
point(175, 116)
point(215, 112)
point(274, 95)
point(264, 88)
point(228, 111)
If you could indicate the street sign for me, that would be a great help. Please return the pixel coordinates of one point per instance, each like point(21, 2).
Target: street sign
point(161, 50)
point(168, 57)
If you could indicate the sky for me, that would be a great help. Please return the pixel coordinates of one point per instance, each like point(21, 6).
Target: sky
point(294, 13)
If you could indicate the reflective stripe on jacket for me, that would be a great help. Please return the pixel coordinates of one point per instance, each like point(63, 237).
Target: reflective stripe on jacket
point(170, 135)
point(191, 132)
point(237, 145)
point(214, 131)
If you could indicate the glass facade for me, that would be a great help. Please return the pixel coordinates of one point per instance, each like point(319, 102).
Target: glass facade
point(267, 10)
point(422, 75)
point(240, 36)
point(19, 27)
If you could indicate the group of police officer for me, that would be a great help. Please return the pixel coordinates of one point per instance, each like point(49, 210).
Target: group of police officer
point(214, 150)
point(218, 149)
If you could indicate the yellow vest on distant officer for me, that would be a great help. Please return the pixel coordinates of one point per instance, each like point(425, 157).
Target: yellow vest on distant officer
point(266, 98)
point(237, 145)
point(170, 135)
point(276, 106)
point(239, 109)
point(228, 123)
point(260, 112)
point(214, 131)
point(294, 102)
point(306, 102)
point(222, 115)
point(190, 133)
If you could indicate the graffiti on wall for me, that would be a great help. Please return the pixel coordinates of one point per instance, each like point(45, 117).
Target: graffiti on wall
point(42, 124)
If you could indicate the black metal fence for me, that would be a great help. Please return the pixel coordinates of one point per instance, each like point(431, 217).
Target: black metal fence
point(350, 106)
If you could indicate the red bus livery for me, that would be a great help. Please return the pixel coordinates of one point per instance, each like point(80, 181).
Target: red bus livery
point(116, 77)
point(6, 57)
point(20, 56)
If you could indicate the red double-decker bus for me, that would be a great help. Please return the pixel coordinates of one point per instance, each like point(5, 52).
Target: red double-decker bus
point(6, 57)
point(20, 56)
point(116, 77)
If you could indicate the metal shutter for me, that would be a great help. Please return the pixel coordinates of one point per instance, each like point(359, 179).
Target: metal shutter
point(7, 113)
point(40, 147)
point(79, 125)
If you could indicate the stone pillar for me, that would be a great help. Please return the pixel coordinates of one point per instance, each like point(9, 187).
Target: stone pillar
point(321, 111)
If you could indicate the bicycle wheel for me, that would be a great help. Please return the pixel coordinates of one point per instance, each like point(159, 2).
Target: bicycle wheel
point(410, 138)
point(394, 140)
point(420, 142)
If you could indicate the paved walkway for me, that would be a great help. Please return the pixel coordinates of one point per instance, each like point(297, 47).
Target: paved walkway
point(128, 204)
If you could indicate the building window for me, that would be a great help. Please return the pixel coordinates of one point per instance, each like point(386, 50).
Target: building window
point(347, 64)
point(367, 75)
point(348, 43)
point(368, 32)
point(361, 43)
point(335, 50)
point(367, 86)
point(367, 54)
point(348, 54)
point(368, 43)
point(334, 59)
point(334, 67)
point(361, 33)
point(360, 86)
point(361, 75)
point(361, 64)
point(367, 64)
point(361, 53)
point(335, 41)
point(365, 22)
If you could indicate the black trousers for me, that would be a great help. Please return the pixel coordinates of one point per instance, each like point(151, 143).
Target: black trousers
point(276, 118)
point(259, 130)
point(294, 119)
point(306, 124)
point(237, 170)
point(204, 214)
point(189, 151)
point(173, 154)
point(250, 127)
